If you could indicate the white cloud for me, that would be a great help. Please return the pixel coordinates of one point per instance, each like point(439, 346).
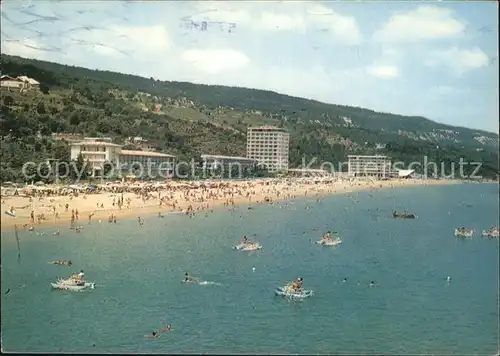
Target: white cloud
point(383, 71)
point(341, 26)
point(441, 91)
point(151, 39)
point(288, 16)
point(213, 61)
point(24, 48)
point(116, 40)
point(271, 21)
point(423, 23)
point(459, 61)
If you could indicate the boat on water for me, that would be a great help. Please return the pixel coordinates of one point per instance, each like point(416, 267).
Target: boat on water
point(248, 247)
point(491, 232)
point(403, 215)
point(288, 291)
point(329, 242)
point(464, 232)
point(72, 285)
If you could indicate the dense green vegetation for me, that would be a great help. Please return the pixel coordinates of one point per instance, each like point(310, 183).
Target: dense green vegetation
point(189, 120)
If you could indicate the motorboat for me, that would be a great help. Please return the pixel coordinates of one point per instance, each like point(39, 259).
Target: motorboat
point(190, 281)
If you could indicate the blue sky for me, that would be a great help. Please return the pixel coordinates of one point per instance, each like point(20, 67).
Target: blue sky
point(433, 59)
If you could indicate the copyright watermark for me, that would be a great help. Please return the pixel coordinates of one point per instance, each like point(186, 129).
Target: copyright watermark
point(374, 167)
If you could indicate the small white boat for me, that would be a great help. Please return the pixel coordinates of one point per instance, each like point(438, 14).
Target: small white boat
point(464, 232)
point(191, 281)
point(288, 292)
point(72, 285)
point(329, 242)
point(248, 247)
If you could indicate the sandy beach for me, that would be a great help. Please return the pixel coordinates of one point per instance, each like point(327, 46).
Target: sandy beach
point(48, 207)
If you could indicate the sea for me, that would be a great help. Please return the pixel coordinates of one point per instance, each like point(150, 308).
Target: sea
point(412, 309)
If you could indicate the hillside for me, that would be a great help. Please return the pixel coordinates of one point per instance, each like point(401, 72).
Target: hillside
point(189, 119)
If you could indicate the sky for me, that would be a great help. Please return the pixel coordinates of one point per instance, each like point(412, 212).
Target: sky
point(433, 59)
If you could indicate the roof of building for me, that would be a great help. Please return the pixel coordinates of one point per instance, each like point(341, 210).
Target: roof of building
point(267, 127)
point(27, 79)
point(144, 153)
point(8, 77)
point(95, 143)
point(308, 170)
point(367, 156)
point(405, 172)
point(227, 157)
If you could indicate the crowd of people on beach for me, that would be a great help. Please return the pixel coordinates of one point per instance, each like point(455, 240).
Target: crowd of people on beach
point(34, 206)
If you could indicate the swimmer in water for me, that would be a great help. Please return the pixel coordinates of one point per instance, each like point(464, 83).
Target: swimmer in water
point(167, 328)
point(372, 283)
point(154, 334)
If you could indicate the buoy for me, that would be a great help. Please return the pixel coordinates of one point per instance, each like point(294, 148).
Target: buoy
point(253, 269)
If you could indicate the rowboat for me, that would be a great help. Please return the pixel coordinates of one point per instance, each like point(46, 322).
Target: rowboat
point(71, 285)
point(329, 242)
point(248, 247)
point(464, 232)
point(289, 292)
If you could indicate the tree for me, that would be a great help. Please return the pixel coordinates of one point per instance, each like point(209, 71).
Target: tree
point(108, 170)
point(79, 168)
point(44, 88)
point(40, 108)
point(8, 100)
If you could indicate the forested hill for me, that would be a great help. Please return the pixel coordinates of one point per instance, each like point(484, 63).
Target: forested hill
point(242, 99)
point(190, 119)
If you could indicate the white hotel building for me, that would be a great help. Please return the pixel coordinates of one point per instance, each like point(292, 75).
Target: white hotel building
point(269, 145)
point(369, 166)
point(98, 151)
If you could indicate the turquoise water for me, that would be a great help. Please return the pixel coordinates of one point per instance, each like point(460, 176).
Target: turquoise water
point(138, 272)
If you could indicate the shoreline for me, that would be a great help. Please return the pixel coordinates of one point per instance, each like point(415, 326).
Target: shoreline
point(97, 208)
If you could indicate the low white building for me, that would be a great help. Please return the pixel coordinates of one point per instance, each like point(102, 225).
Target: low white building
point(369, 166)
point(96, 153)
point(21, 82)
point(308, 172)
point(147, 164)
point(226, 162)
